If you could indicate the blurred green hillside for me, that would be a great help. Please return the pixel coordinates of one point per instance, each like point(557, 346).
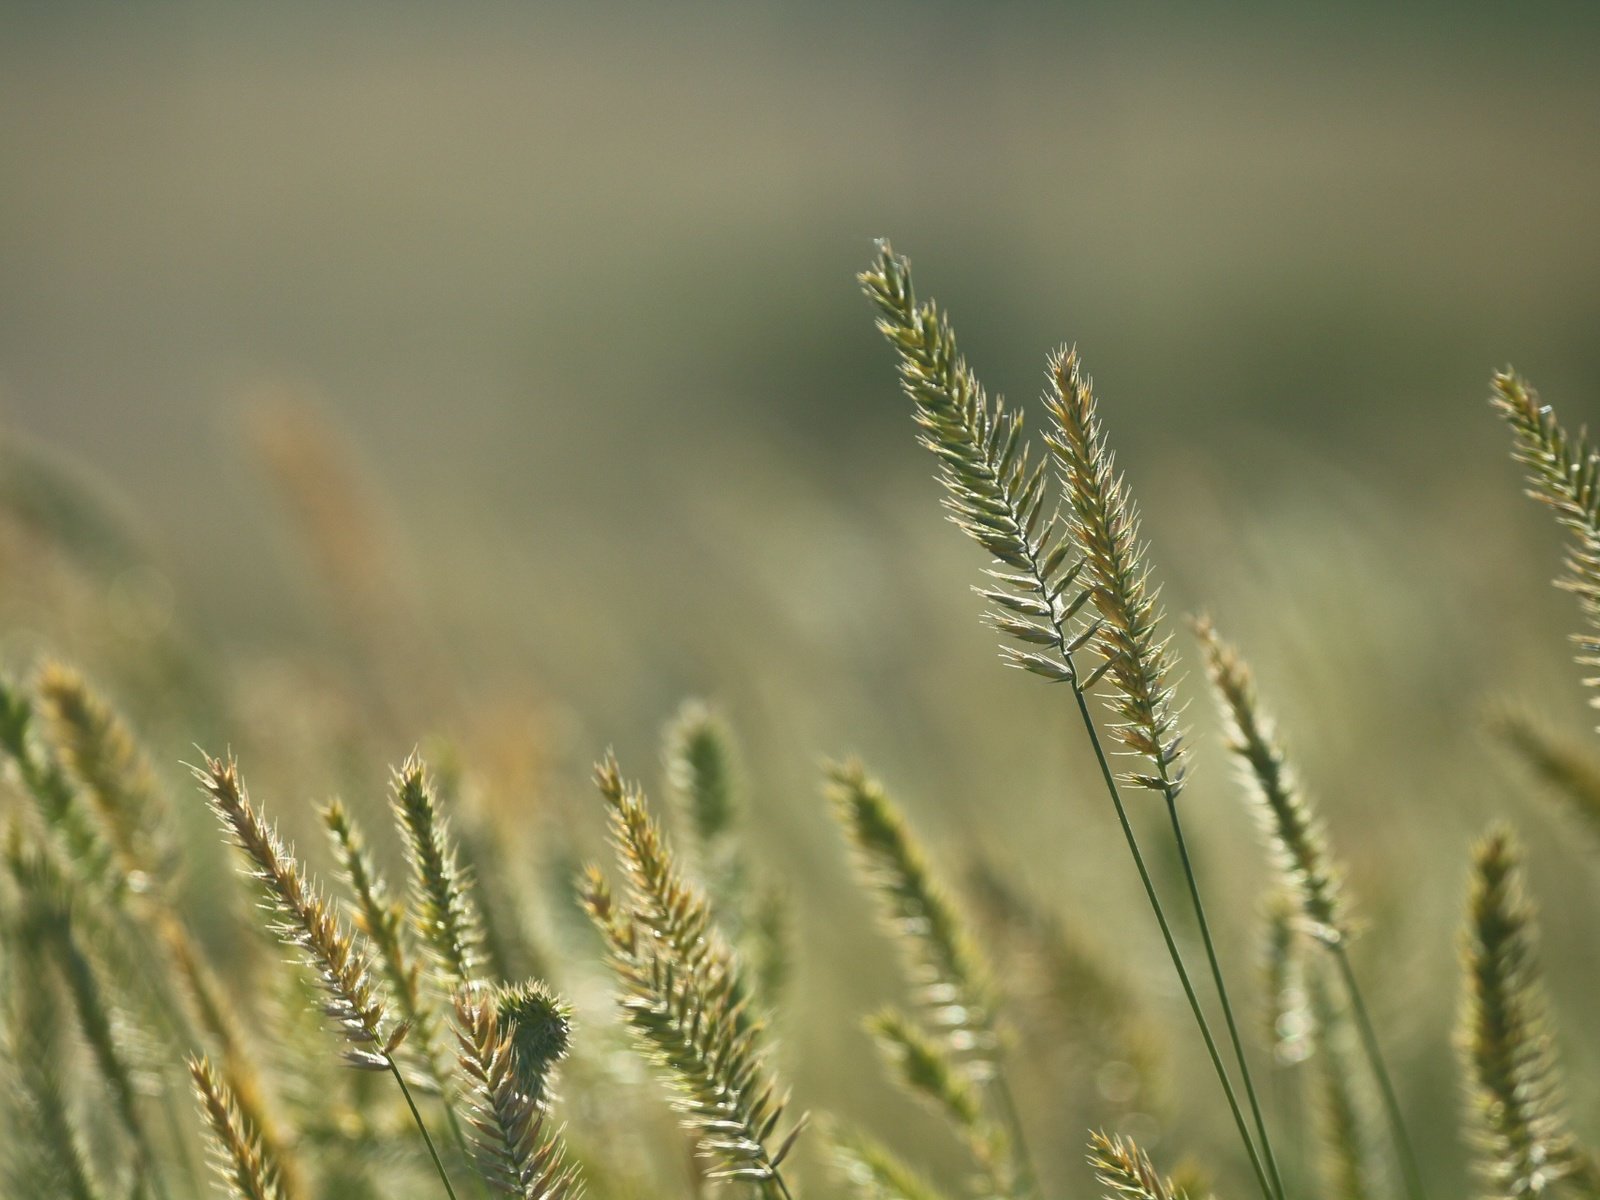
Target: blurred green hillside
point(498, 372)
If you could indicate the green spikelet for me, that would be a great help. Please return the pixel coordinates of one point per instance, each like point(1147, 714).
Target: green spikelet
point(992, 491)
point(925, 1069)
point(1126, 1171)
point(1290, 825)
point(442, 910)
point(1564, 473)
point(702, 769)
point(950, 981)
point(516, 1156)
point(540, 1025)
point(1104, 524)
point(241, 1161)
point(383, 922)
point(1514, 1094)
point(684, 995)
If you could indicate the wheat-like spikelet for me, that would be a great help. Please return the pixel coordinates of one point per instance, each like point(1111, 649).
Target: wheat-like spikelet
point(926, 1070)
point(1568, 770)
point(1513, 1085)
point(1104, 525)
point(874, 1172)
point(660, 896)
point(1292, 828)
point(241, 1161)
point(58, 802)
point(703, 770)
point(442, 909)
point(383, 921)
point(1564, 472)
point(341, 960)
point(684, 995)
point(1127, 1171)
point(99, 749)
point(952, 984)
point(993, 492)
point(516, 1156)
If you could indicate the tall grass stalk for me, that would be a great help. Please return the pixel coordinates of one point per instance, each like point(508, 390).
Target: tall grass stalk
point(998, 499)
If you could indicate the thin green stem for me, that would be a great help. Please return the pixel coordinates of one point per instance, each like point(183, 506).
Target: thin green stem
point(1166, 934)
point(777, 1178)
point(423, 1129)
point(1222, 990)
point(1027, 1182)
point(1391, 1102)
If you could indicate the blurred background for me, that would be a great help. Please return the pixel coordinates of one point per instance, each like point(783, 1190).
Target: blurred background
point(497, 373)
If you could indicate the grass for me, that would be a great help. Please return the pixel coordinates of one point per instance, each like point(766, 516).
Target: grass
point(315, 1025)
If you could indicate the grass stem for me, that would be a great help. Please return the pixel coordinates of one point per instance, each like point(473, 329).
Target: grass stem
point(1171, 942)
point(416, 1116)
point(1222, 991)
point(1391, 1102)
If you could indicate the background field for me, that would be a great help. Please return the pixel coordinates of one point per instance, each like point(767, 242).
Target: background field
point(382, 374)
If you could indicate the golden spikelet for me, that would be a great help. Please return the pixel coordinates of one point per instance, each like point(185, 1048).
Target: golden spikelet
point(1127, 1172)
point(341, 960)
point(1564, 473)
point(241, 1161)
point(1104, 526)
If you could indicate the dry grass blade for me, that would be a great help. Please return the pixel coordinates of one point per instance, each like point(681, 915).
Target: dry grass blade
point(1127, 1171)
point(516, 1156)
point(1513, 1085)
point(241, 1161)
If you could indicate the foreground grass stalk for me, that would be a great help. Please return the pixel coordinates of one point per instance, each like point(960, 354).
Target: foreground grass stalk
point(1172, 945)
point(999, 500)
point(1222, 991)
point(422, 1128)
